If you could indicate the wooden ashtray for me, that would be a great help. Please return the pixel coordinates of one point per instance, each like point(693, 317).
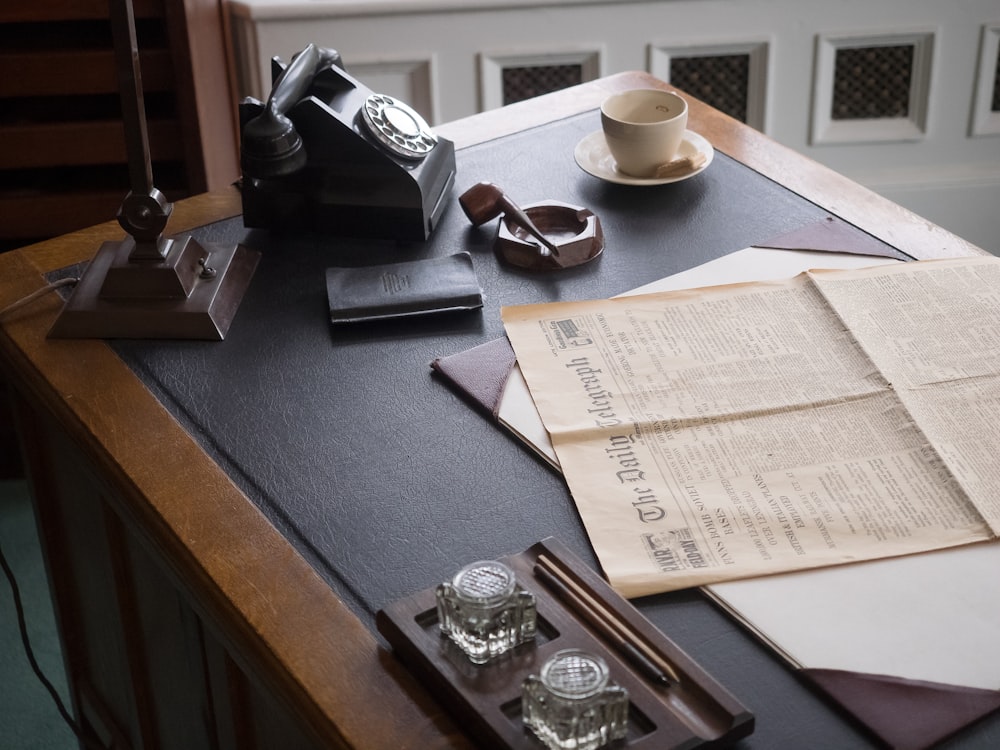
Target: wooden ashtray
point(575, 231)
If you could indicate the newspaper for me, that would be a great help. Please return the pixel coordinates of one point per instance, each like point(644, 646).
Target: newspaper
point(730, 432)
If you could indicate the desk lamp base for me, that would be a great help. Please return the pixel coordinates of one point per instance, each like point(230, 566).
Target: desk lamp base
point(191, 292)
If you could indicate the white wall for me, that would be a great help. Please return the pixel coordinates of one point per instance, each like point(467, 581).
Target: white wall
point(444, 57)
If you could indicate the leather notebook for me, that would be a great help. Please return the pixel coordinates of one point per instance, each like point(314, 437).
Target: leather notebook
point(391, 290)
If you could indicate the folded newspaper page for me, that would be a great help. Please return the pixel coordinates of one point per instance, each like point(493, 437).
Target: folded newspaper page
point(735, 431)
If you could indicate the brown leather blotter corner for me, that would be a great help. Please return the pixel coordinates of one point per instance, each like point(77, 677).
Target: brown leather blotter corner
point(831, 235)
point(481, 372)
point(905, 714)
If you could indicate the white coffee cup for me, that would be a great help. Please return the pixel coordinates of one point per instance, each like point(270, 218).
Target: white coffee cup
point(643, 129)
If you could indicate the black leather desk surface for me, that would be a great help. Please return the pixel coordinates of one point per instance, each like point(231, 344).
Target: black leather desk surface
point(384, 478)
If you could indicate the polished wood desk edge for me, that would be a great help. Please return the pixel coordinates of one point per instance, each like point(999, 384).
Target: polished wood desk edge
point(108, 410)
point(289, 620)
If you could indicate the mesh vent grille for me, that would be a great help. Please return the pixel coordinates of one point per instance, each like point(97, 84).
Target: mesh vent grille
point(995, 104)
point(484, 581)
point(719, 80)
point(525, 82)
point(872, 82)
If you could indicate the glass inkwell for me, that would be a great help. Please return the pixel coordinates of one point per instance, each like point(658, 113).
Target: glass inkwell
point(484, 612)
point(572, 705)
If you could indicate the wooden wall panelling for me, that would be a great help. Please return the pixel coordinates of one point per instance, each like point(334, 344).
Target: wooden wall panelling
point(73, 531)
point(166, 654)
point(248, 718)
point(140, 660)
point(62, 164)
point(206, 93)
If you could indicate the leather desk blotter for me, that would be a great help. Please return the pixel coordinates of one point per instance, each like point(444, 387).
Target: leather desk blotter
point(380, 477)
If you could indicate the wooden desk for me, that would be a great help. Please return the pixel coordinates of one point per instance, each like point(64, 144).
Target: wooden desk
point(188, 619)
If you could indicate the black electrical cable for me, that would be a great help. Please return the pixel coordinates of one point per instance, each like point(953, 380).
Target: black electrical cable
point(81, 735)
point(87, 739)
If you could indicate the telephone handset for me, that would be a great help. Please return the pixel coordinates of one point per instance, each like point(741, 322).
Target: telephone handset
point(271, 146)
point(325, 153)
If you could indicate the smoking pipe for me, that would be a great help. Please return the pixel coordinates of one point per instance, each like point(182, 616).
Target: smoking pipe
point(486, 201)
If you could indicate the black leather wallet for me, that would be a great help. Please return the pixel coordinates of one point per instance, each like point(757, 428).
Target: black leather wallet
point(395, 290)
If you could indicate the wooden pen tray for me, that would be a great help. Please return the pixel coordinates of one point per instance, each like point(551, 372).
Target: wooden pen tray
point(694, 712)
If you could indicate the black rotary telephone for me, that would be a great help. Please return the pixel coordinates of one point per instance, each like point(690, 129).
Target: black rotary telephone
point(325, 153)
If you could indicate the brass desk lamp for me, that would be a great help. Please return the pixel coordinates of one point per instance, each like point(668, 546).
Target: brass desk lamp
point(147, 285)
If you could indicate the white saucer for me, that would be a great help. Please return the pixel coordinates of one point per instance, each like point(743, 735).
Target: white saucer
point(593, 157)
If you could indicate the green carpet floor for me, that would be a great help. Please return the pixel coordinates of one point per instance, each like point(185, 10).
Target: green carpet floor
point(29, 719)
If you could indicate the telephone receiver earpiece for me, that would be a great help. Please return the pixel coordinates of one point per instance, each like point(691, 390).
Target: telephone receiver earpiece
point(271, 146)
